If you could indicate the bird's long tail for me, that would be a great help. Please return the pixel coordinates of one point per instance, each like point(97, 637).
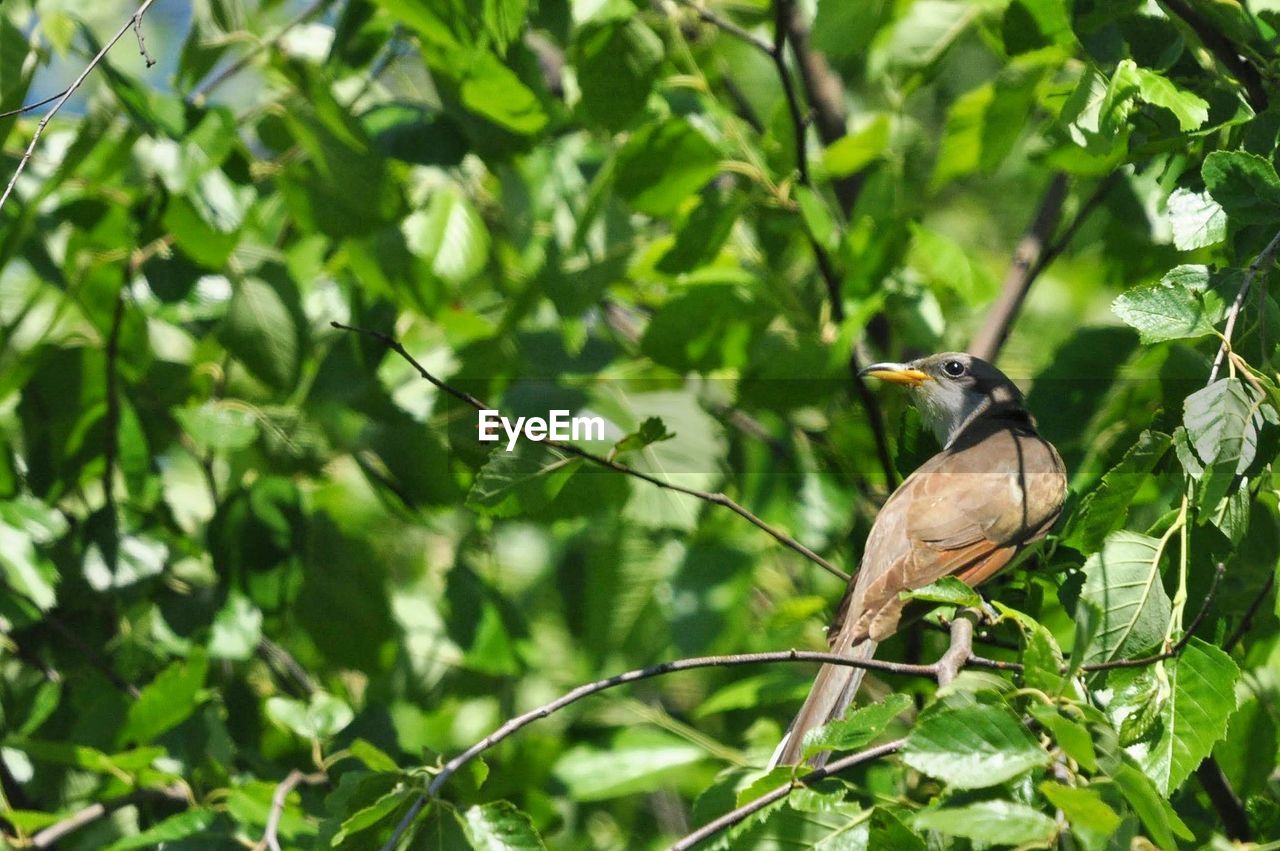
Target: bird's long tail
point(833, 690)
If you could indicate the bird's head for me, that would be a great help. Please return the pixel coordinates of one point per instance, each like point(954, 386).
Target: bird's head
point(951, 390)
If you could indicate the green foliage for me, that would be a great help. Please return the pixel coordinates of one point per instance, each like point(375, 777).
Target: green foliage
point(241, 548)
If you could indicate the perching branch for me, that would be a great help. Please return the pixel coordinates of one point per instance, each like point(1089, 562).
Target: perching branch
point(942, 670)
point(609, 463)
point(832, 768)
point(270, 836)
point(134, 23)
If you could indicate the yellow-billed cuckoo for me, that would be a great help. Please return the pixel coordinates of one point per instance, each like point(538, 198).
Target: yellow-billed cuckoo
point(995, 487)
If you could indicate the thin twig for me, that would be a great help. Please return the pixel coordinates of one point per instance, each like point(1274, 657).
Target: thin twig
point(1227, 804)
point(834, 767)
point(1265, 258)
point(270, 836)
point(49, 836)
point(133, 21)
point(706, 496)
point(32, 106)
point(200, 92)
point(142, 42)
point(781, 15)
point(1247, 621)
point(727, 26)
point(112, 450)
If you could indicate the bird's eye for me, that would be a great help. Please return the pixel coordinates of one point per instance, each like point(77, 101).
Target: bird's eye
point(953, 368)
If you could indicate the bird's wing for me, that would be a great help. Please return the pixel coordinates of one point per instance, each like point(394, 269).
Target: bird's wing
point(966, 513)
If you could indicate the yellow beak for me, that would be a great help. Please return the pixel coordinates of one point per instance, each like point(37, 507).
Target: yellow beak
point(896, 373)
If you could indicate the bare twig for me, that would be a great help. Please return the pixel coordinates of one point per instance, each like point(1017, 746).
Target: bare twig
point(1247, 621)
point(834, 767)
point(961, 649)
point(112, 450)
point(1227, 804)
point(1264, 259)
point(1017, 281)
point(782, 13)
point(142, 42)
point(706, 496)
point(200, 92)
point(32, 106)
point(49, 837)
point(727, 26)
point(270, 836)
point(134, 20)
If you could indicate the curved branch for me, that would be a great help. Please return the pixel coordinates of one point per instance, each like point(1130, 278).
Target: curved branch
point(1264, 259)
point(733, 817)
point(600, 460)
point(270, 835)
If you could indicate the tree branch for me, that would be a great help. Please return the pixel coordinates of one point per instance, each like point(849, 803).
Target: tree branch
point(135, 21)
point(270, 836)
point(49, 837)
point(961, 649)
point(599, 460)
point(1034, 254)
point(727, 26)
point(834, 767)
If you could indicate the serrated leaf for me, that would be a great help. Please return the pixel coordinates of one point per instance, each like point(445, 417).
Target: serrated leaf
point(1178, 307)
point(857, 728)
point(499, 826)
point(1072, 736)
point(1190, 109)
point(1246, 185)
point(973, 746)
point(1223, 421)
point(1194, 718)
point(1122, 580)
point(1197, 220)
point(998, 822)
point(521, 481)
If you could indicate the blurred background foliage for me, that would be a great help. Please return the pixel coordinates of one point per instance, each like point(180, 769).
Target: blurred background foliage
point(236, 542)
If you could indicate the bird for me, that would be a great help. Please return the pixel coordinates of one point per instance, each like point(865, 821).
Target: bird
point(995, 487)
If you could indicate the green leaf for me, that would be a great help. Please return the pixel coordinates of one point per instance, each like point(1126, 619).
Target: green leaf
point(1180, 306)
point(948, 590)
point(449, 235)
point(1157, 815)
point(1072, 736)
point(1104, 509)
point(854, 151)
point(998, 822)
point(1194, 719)
point(499, 826)
point(1246, 185)
point(858, 727)
point(984, 124)
point(638, 760)
point(166, 701)
point(493, 91)
point(218, 426)
point(1223, 421)
point(24, 570)
point(817, 219)
point(1123, 581)
point(765, 689)
point(1197, 220)
point(264, 331)
point(617, 61)
point(1084, 808)
point(373, 756)
point(928, 29)
point(324, 716)
point(1190, 109)
point(651, 431)
point(973, 746)
point(237, 629)
point(521, 481)
point(662, 164)
point(175, 827)
point(369, 816)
